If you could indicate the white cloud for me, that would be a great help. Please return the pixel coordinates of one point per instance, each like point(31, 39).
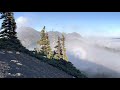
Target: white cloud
point(22, 21)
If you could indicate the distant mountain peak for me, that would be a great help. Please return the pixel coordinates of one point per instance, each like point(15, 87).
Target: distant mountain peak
point(75, 33)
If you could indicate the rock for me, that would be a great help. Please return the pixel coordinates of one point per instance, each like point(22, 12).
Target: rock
point(17, 52)
point(19, 64)
point(18, 74)
point(15, 61)
point(9, 52)
point(9, 73)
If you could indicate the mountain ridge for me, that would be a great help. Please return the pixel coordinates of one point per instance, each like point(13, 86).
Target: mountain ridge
point(29, 36)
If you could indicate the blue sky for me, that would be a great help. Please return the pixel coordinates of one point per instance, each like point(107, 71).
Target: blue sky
point(85, 23)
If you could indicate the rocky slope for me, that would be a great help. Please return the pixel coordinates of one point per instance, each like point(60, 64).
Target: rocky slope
point(19, 65)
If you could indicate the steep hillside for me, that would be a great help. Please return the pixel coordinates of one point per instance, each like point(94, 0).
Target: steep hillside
point(14, 64)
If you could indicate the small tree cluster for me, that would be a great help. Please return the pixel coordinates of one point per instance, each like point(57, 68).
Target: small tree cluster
point(45, 49)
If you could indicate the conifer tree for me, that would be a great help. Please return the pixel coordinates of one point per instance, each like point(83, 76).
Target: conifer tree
point(8, 26)
point(58, 52)
point(49, 51)
point(8, 34)
point(45, 44)
point(63, 48)
point(42, 42)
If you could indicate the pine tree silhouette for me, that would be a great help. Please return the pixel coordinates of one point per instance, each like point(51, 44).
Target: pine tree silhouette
point(8, 34)
point(8, 26)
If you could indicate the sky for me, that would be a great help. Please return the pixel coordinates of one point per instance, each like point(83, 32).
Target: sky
point(85, 23)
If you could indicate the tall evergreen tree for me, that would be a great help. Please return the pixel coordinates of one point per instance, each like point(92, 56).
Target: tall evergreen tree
point(63, 48)
point(45, 44)
point(8, 26)
point(58, 53)
point(49, 50)
point(42, 42)
point(8, 35)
